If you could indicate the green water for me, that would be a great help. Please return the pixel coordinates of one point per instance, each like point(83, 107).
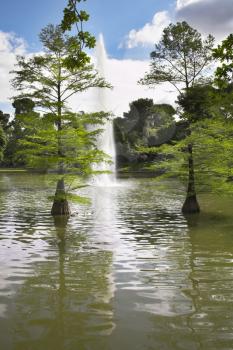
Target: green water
point(128, 272)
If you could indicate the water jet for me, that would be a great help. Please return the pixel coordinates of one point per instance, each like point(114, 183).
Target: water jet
point(105, 140)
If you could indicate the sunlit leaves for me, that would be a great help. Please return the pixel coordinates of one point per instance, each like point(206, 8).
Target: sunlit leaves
point(224, 53)
point(59, 141)
point(72, 15)
point(75, 17)
point(2, 142)
point(180, 58)
point(62, 71)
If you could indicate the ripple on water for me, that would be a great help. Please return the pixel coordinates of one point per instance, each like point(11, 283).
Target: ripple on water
point(128, 271)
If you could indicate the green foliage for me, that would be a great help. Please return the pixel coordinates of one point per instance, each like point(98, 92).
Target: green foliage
point(197, 102)
point(16, 131)
point(5, 121)
point(141, 107)
point(77, 199)
point(75, 17)
point(224, 53)
point(75, 184)
point(47, 80)
point(4, 130)
point(46, 148)
point(180, 58)
point(23, 105)
point(138, 112)
point(212, 148)
point(144, 121)
point(146, 124)
point(2, 142)
point(58, 140)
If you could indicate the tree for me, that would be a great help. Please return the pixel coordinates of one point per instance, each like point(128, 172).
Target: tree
point(138, 111)
point(5, 121)
point(224, 83)
point(145, 124)
point(211, 139)
point(58, 139)
point(224, 73)
point(2, 142)
point(196, 103)
point(144, 115)
point(16, 131)
point(224, 53)
point(23, 105)
point(182, 59)
point(4, 127)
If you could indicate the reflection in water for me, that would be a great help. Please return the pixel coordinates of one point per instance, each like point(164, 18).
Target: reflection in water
point(63, 300)
point(211, 260)
point(160, 237)
point(128, 272)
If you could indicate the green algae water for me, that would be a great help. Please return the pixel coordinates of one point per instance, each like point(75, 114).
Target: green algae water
point(127, 272)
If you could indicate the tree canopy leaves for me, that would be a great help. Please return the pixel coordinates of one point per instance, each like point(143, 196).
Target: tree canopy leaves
point(180, 58)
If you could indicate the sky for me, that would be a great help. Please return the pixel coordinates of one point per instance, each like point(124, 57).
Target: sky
point(130, 29)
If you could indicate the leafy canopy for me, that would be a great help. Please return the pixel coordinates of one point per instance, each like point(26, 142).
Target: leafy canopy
point(75, 17)
point(58, 140)
point(224, 53)
point(181, 58)
point(47, 80)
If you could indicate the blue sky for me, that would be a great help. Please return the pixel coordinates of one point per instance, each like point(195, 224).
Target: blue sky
point(113, 18)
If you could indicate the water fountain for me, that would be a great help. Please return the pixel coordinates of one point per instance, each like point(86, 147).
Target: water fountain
point(106, 139)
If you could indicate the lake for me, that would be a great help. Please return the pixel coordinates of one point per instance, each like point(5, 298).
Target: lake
point(127, 272)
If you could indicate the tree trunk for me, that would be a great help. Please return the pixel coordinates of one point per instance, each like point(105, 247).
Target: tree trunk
point(191, 205)
point(60, 203)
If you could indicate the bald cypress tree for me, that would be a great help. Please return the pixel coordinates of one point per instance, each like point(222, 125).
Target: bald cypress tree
point(182, 58)
point(58, 140)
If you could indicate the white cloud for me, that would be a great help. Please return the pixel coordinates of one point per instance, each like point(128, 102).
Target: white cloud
point(10, 47)
point(150, 33)
point(182, 3)
point(208, 17)
point(123, 75)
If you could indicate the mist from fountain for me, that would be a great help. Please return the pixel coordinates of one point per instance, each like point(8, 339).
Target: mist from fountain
point(105, 140)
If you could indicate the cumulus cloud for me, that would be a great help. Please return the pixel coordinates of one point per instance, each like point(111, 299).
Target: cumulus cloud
point(182, 3)
point(10, 47)
point(209, 16)
point(122, 74)
point(149, 34)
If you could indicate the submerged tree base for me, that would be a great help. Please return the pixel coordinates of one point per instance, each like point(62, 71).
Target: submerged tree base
point(191, 205)
point(60, 208)
point(60, 205)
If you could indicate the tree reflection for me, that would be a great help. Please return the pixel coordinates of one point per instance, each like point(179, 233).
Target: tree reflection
point(211, 257)
point(66, 303)
point(172, 284)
